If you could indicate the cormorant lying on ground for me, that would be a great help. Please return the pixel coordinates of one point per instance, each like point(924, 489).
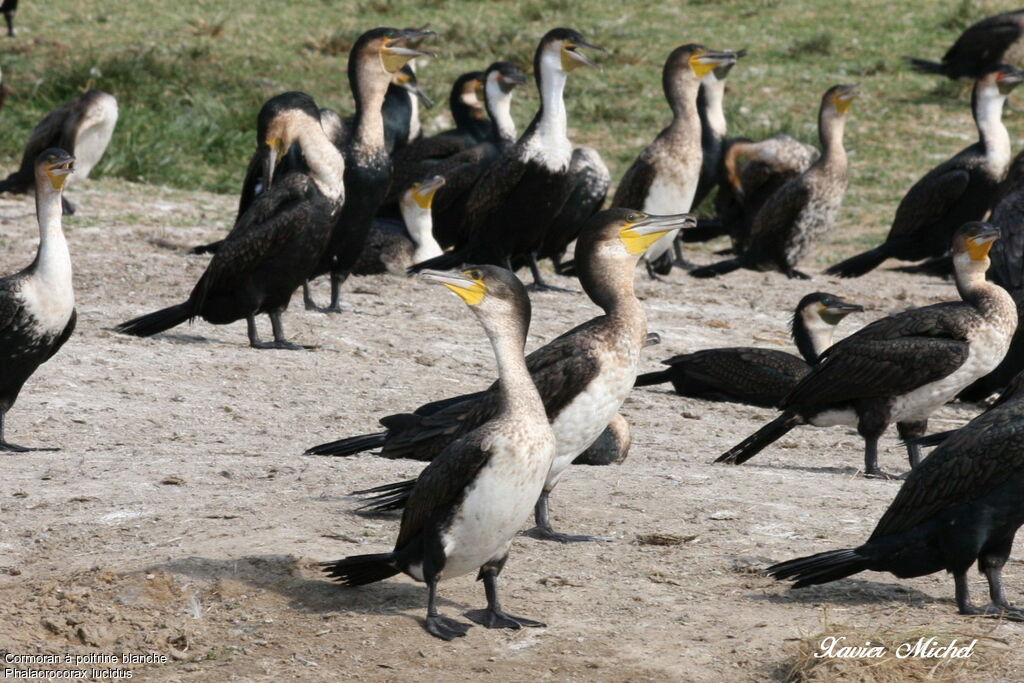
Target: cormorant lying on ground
point(467, 505)
point(994, 40)
point(583, 376)
point(276, 243)
point(961, 505)
point(511, 208)
point(959, 190)
point(82, 126)
point(757, 376)
point(799, 213)
point(903, 367)
point(37, 304)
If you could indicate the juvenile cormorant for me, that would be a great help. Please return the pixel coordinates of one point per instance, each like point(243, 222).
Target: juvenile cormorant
point(903, 367)
point(958, 190)
point(994, 40)
point(583, 376)
point(467, 505)
point(393, 246)
point(374, 58)
point(276, 243)
point(82, 126)
point(961, 505)
point(752, 375)
point(37, 304)
point(800, 212)
point(511, 208)
point(664, 178)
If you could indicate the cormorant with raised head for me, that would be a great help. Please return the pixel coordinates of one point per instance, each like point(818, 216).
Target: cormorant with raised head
point(81, 126)
point(37, 304)
point(800, 212)
point(401, 109)
point(760, 377)
point(511, 208)
point(961, 505)
point(664, 178)
point(713, 126)
point(467, 505)
point(903, 367)
point(374, 58)
point(994, 40)
point(958, 190)
point(583, 376)
point(276, 243)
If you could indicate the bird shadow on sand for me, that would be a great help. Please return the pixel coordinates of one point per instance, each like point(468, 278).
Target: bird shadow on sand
point(296, 580)
point(849, 592)
point(851, 472)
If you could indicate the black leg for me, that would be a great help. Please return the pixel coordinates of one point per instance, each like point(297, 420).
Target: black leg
point(538, 282)
point(794, 274)
point(6, 447)
point(307, 298)
point(436, 625)
point(993, 609)
point(871, 426)
point(650, 271)
point(9, 18)
point(912, 430)
point(494, 616)
point(543, 530)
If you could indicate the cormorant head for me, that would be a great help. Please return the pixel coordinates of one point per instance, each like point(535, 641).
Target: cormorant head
point(495, 294)
point(560, 47)
point(625, 234)
point(405, 78)
point(1000, 77)
point(391, 48)
point(721, 72)
point(972, 241)
point(278, 125)
point(827, 307)
point(696, 60)
point(53, 165)
point(422, 194)
point(838, 98)
point(504, 76)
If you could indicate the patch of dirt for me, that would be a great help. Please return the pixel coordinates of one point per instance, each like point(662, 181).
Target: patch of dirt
point(180, 518)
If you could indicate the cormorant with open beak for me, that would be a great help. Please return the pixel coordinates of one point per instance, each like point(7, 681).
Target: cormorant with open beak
point(37, 304)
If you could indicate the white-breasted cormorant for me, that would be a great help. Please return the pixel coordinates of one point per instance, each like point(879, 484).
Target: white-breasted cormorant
point(903, 367)
point(512, 206)
point(394, 246)
point(994, 40)
point(583, 376)
point(82, 126)
point(664, 177)
point(757, 376)
point(467, 505)
point(277, 242)
point(799, 213)
point(959, 507)
point(956, 191)
point(37, 304)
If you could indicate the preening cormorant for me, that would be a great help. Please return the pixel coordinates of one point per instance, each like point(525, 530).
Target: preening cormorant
point(998, 39)
point(37, 304)
point(961, 505)
point(467, 505)
point(800, 212)
point(664, 177)
point(959, 190)
point(81, 126)
point(903, 367)
point(512, 206)
point(583, 376)
point(374, 58)
point(752, 375)
point(394, 246)
point(277, 242)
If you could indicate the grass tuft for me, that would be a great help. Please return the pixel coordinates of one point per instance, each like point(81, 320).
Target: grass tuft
point(820, 44)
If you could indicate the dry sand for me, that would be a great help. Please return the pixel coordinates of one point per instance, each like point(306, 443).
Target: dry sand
point(181, 519)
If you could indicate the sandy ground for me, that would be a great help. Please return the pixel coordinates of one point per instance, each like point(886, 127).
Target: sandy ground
point(180, 518)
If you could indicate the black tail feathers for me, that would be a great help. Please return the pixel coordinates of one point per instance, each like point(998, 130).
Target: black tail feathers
point(387, 497)
point(858, 265)
point(716, 269)
point(360, 570)
point(210, 248)
point(756, 442)
point(650, 378)
point(821, 568)
point(925, 66)
point(156, 322)
point(350, 446)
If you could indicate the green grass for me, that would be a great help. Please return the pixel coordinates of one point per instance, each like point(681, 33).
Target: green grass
point(190, 77)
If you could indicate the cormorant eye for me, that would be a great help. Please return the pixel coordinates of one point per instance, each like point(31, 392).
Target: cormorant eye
point(475, 274)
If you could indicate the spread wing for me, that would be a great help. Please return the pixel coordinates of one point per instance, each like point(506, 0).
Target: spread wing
point(442, 484)
point(970, 463)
